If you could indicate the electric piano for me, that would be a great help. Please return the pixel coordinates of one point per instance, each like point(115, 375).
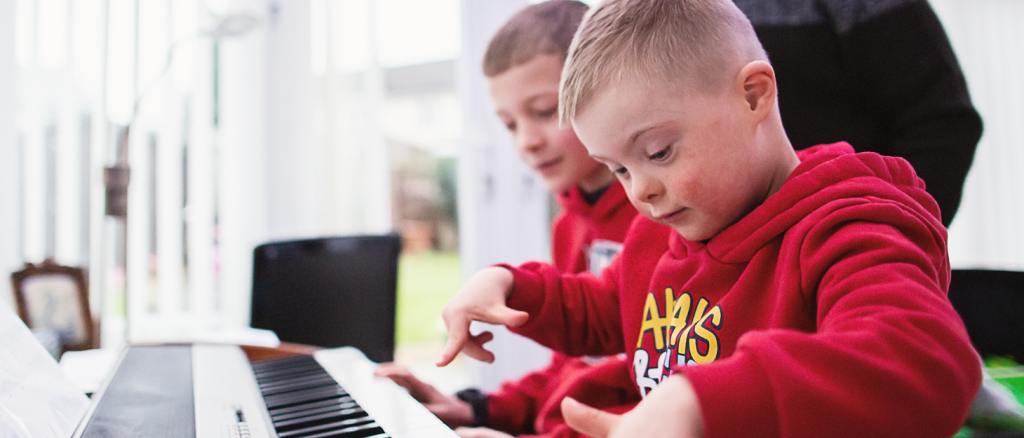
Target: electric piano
point(208, 391)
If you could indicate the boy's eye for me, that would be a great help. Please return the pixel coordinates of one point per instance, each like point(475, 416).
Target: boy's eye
point(620, 170)
point(550, 112)
point(511, 126)
point(660, 155)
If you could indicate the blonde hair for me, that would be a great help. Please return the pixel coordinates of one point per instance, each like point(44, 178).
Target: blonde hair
point(541, 29)
point(697, 43)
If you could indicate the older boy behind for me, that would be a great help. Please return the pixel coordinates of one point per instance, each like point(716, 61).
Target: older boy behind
point(523, 65)
point(800, 295)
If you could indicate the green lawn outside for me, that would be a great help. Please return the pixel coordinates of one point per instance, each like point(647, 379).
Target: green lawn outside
point(425, 282)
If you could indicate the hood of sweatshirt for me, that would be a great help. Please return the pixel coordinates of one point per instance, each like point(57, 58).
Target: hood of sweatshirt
point(829, 177)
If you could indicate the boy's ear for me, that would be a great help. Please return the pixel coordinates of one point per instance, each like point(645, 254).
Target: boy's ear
point(758, 82)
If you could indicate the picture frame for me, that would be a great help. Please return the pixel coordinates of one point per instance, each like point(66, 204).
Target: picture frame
point(49, 295)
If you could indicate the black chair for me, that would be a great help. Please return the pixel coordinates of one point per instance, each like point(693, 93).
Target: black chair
point(329, 292)
point(991, 304)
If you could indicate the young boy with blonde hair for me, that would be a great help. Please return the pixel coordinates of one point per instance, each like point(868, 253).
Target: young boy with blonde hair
point(523, 65)
point(800, 294)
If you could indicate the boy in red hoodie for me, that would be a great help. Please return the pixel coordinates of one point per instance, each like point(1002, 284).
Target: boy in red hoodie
point(523, 65)
point(764, 292)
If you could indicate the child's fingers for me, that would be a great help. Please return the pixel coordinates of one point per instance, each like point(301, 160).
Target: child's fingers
point(390, 370)
point(587, 420)
point(418, 389)
point(458, 335)
point(459, 338)
point(475, 347)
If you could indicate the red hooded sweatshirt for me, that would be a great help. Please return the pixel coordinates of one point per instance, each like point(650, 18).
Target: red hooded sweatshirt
point(822, 312)
point(584, 237)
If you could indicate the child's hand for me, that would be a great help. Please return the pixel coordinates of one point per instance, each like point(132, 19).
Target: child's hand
point(447, 408)
point(482, 299)
point(670, 410)
point(480, 432)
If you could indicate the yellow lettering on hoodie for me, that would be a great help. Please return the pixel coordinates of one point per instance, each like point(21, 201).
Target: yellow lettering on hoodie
point(680, 315)
point(653, 322)
point(715, 316)
point(698, 314)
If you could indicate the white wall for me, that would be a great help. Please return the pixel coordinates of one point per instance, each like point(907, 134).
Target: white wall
point(10, 259)
point(503, 209)
point(327, 170)
point(243, 151)
point(294, 182)
point(989, 42)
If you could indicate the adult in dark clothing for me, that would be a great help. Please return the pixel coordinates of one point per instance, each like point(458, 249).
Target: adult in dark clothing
point(879, 74)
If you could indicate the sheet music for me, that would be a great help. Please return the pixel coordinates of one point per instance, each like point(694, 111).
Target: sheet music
point(36, 399)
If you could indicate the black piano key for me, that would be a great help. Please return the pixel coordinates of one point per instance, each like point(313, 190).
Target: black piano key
point(276, 376)
point(282, 362)
point(339, 427)
point(298, 388)
point(343, 408)
point(275, 367)
point(313, 405)
point(283, 403)
point(305, 394)
point(358, 433)
point(297, 384)
point(290, 375)
point(353, 417)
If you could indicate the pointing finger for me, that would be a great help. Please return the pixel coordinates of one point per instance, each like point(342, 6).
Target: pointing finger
point(458, 334)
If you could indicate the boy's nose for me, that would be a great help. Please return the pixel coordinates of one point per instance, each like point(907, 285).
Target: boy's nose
point(530, 138)
point(644, 189)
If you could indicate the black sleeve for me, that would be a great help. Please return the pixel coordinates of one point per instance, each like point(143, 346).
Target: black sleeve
point(902, 62)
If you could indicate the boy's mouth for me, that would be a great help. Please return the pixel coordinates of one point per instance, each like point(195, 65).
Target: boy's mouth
point(670, 216)
point(548, 165)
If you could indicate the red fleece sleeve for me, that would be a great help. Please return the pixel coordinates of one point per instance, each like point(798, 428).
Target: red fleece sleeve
point(514, 407)
point(890, 356)
point(574, 314)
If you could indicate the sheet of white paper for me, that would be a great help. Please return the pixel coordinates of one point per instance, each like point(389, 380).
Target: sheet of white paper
point(88, 368)
point(36, 399)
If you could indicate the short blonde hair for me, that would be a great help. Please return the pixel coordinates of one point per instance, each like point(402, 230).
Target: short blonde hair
point(698, 43)
point(541, 29)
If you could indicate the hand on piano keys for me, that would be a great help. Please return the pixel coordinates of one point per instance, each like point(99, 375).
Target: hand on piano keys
point(448, 408)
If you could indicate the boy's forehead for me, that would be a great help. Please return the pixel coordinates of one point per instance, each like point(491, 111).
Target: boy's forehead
point(622, 104)
point(627, 95)
point(620, 114)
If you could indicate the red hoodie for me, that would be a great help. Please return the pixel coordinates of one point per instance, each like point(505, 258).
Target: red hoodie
point(822, 312)
point(584, 237)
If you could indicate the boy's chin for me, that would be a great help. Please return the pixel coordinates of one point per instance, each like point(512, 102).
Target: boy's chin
point(557, 186)
point(693, 233)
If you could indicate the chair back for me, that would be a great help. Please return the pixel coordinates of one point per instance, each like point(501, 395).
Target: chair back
point(52, 296)
point(329, 292)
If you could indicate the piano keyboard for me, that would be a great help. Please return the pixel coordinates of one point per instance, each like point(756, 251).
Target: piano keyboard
point(304, 401)
point(212, 391)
